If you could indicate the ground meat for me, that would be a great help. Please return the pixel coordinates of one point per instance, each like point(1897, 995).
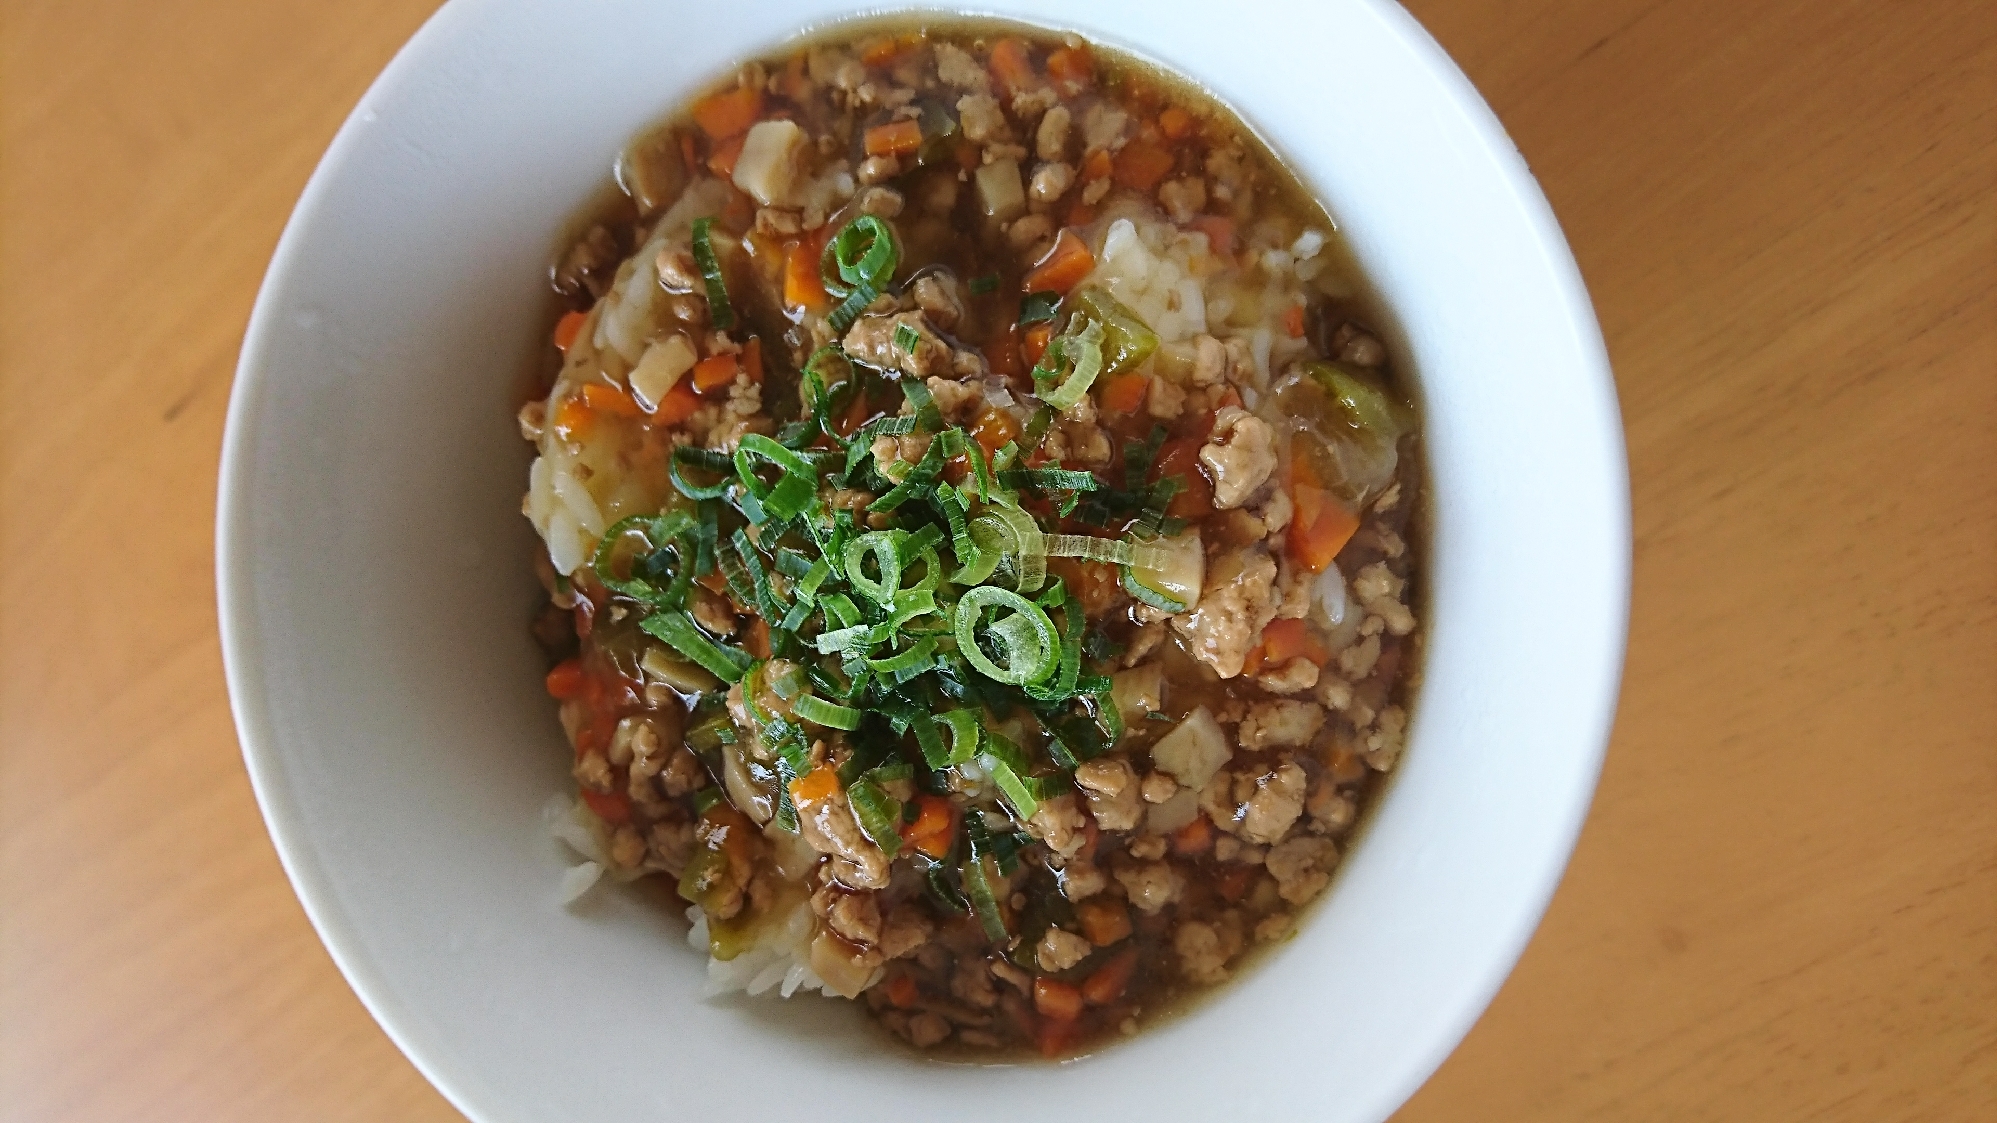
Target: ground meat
point(1050, 141)
point(1149, 847)
point(592, 772)
point(1050, 182)
point(1059, 823)
point(1209, 360)
point(1302, 867)
point(713, 612)
point(1183, 198)
point(1295, 585)
point(958, 402)
point(926, 1029)
point(1203, 951)
point(1382, 746)
point(878, 169)
point(971, 983)
point(1111, 788)
point(1237, 602)
point(1279, 724)
point(937, 296)
point(1150, 885)
point(1277, 804)
point(1159, 787)
point(1059, 950)
point(1293, 677)
point(872, 341)
point(1352, 344)
point(1103, 126)
point(1027, 105)
point(906, 929)
point(1080, 881)
point(669, 844)
point(982, 119)
point(677, 271)
point(684, 774)
point(1029, 232)
point(1143, 642)
point(828, 825)
point(627, 847)
point(1379, 590)
point(854, 916)
point(956, 67)
point(1331, 811)
point(1240, 455)
point(1165, 401)
point(1356, 662)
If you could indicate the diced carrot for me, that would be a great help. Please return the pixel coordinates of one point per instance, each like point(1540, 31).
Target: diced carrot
point(856, 415)
point(1080, 214)
point(714, 582)
point(1293, 321)
point(1251, 663)
point(969, 156)
point(752, 358)
point(729, 113)
point(690, 152)
point(596, 733)
point(1347, 767)
point(1013, 66)
point(679, 404)
point(610, 400)
point(614, 807)
point(896, 138)
point(1141, 165)
point(1193, 838)
point(1234, 881)
point(804, 287)
point(1098, 165)
point(757, 639)
point(1072, 70)
point(993, 428)
point(1287, 639)
point(1231, 398)
point(1107, 984)
point(902, 991)
point(1321, 527)
point(885, 50)
point(1123, 393)
point(1064, 266)
point(1219, 230)
point(1033, 342)
point(571, 418)
point(1056, 999)
point(567, 328)
point(1055, 1036)
point(1002, 352)
point(716, 372)
point(1105, 920)
point(818, 784)
point(722, 161)
point(739, 212)
point(934, 828)
point(566, 680)
point(1175, 123)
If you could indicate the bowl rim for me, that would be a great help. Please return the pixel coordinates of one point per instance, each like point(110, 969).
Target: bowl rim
point(237, 617)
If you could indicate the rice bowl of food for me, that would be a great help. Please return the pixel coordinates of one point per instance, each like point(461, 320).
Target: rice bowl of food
point(1017, 560)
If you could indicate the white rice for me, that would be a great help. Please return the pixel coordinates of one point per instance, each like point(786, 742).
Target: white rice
point(777, 964)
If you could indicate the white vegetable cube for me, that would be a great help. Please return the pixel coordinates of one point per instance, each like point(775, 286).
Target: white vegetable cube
point(768, 168)
point(1138, 691)
point(663, 364)
point(1194, 751)
point(999, 190)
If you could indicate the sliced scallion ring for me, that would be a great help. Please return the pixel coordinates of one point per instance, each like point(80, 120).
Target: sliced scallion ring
point(1026, 637)
point(718, 308)
point(818, 711)
point(1082, 356)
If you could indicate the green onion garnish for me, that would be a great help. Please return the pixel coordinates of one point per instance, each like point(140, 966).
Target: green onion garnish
point(718, 308)
point(1038, 307)
point(985, 285)
point(906, 338)
point(1024, 637)
point(1081, 354)
point(818, 711)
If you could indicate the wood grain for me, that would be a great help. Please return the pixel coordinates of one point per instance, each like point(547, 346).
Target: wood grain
point(1784, 906)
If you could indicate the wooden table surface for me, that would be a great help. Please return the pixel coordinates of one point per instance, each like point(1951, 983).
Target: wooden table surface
point(1784, 906)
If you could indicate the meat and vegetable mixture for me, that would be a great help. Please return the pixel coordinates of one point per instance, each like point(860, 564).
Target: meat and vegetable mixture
point(976, 516)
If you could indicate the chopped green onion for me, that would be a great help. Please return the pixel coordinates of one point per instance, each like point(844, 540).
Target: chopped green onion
point(1038, 307)
point(849, 310)
point(818, 711)
point(1163, 602)
point(980, 877)
point(862, 255)
point(878, 813)
point(966, 730)
point(786, 809)
point(718, 308)
point(707, 460)
point(661, 532)
point(1082, 356)
point(881, 545)
point(792, 493)
point(706, 798)
point(906, 338)
point(985, 285)
point(1049, 479)
point(676, 628)
point(1026, 637)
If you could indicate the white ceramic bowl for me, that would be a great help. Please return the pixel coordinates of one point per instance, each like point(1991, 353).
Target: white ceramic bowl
point(374, 586)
